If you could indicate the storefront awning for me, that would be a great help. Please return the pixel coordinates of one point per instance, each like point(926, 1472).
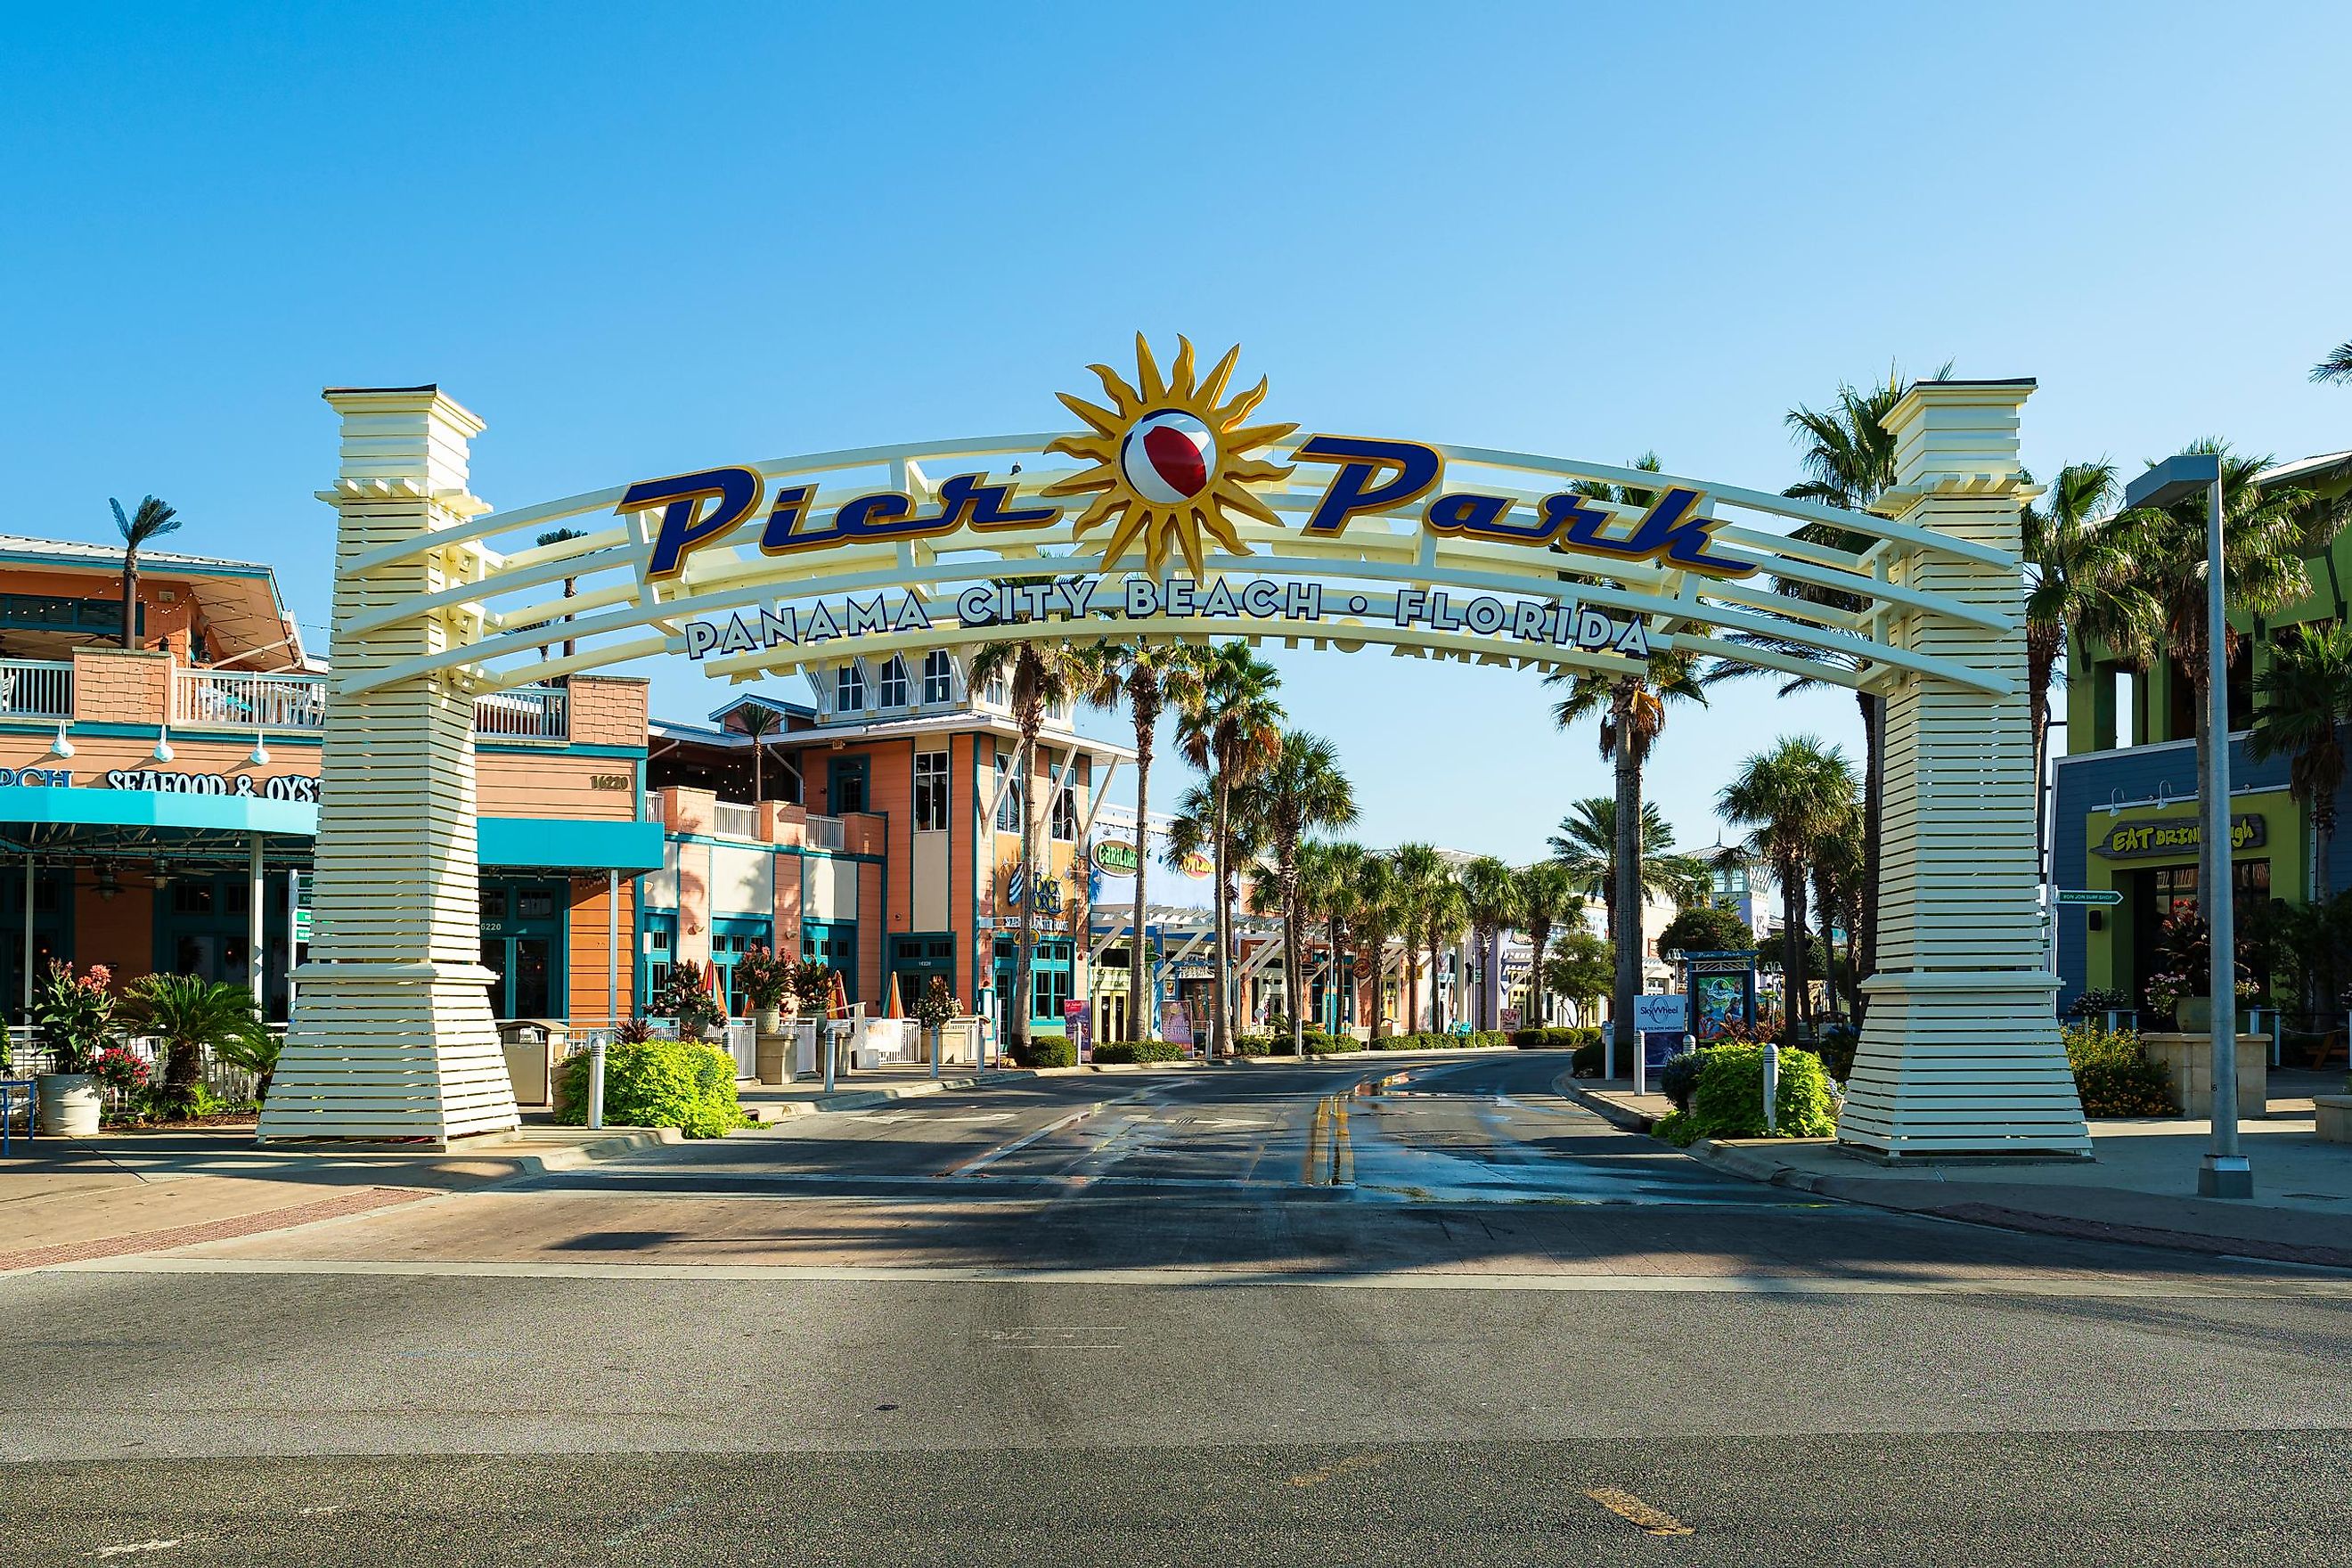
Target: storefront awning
point(65, 820)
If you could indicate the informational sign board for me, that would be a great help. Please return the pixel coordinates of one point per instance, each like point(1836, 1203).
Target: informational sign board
point(1077, 1021)
point(1510, 1017)
point(1175, 1023)
point(1656, 1012)
point(2090, 896)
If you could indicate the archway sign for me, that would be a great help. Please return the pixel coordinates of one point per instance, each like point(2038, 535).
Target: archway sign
point(1169, 513)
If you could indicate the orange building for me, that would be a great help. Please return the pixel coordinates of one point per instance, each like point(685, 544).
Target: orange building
point(892, 793)
point(158, 803)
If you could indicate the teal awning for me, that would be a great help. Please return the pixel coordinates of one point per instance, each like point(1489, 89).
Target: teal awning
point(71, 820)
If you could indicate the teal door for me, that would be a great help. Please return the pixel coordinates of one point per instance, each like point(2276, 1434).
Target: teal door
point(1049, 982)
point(836, 945)
point(845, 786)
point(915, 960)
point(732, 936)
point(522, 946)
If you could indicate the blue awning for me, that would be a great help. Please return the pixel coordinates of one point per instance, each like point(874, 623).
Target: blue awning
point(563, 845)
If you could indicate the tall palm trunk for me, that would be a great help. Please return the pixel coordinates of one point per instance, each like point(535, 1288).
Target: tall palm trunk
point(1022, 999)
point(1220, 1032)
point(1822, 903)
point(1436, 982)
point(1534, 1018)
point(1342, 1013)
point(1293, 971)
point(1412, 984)
point(1142, 988)
point(131, 598)
point(1792, 950)
point(1626, 904)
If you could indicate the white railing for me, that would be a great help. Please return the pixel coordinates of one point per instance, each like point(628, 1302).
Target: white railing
point(247, 700)
point(35, 688)
point(741, 821)
point(826, 833)
point(525, 713)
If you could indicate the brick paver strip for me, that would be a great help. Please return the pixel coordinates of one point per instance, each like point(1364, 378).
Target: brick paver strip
point(358, 1202)
point(2146, 1235)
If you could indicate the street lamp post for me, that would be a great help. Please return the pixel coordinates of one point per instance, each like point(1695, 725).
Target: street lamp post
point(2225, 1172)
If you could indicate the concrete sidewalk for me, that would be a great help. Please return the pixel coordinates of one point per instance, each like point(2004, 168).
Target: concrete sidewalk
point(2140, 1186)
point(138, 1192)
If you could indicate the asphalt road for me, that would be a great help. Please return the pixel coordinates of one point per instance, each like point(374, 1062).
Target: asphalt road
point(1316, 1314)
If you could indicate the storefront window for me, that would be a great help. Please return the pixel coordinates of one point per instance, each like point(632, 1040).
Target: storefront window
point(930, 792)
point(893, 682)
point(938, 672)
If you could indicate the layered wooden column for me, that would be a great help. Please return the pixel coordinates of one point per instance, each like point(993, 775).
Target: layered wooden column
point(391, 1034)
point(1961, 1053)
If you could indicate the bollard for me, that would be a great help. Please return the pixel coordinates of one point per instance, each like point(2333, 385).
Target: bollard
point(938, 1042)
point(595, 1082)
point(1771, 1085)
point(832, 1050)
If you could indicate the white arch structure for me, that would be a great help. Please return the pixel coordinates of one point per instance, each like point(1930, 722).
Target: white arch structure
point(439, 598)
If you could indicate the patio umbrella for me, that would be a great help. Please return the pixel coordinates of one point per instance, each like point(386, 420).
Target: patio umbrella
point(840, 996)
point(897, 1008)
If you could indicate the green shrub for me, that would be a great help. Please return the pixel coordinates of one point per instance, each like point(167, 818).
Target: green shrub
point(1678, 1079)
point(1729, 1101)
point(1318, 1043)
point(1045, 1051)
point(1590, 1060)
point(1836, 1044)
point(1118, 1051)
point(683, 1084)
point(1254, 1045)
point(2114, 1077)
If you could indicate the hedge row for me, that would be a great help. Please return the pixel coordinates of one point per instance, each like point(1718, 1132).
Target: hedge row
point(1119, 1051)
point(684, 1084)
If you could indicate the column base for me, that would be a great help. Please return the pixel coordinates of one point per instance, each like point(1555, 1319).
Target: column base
point(2225, 1176)
point(1962, 1063)
point(390, 1051)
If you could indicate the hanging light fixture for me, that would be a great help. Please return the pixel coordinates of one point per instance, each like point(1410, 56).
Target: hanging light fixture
point(259, 756)
point(162, 751)
point(61, 747)
point(108, 884)
point(160, 877)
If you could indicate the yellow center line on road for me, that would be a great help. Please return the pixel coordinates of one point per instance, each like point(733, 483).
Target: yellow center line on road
point(1634, 1510)
point(1339, 1467)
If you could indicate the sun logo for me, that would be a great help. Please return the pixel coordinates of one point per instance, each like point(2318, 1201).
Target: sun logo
point(1168, 459)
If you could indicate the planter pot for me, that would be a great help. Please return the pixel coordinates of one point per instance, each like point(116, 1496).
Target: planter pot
point(2194, 1015)
point(68, 1104)
point(772, 1057)
point(2188, 1060)
point(768, 1020)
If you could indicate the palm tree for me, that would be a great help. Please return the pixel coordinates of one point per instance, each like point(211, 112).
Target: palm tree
point(1303, 791)
point(758, 722)
point(2336, 367)
point(1232, 732)
point(570, 584)
point(1848, 458)
point(1633, 713)
point(1490, 896)
point(1326, 887)
point(2067, 573)
point(1586, 848)
point(1415, 870)
point(1042, 673)
point(2304, 694)
point(1790, 799)
point(1547, 899)
point(1445, 913)
point(1375, 900)
point(1153, 678)
point(2154, 604)
point(1837, 875)
point(194, 1016)
point(151, 522)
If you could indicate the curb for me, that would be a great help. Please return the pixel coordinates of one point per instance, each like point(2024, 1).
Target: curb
point(1754, 1165)
point(1608, 1110)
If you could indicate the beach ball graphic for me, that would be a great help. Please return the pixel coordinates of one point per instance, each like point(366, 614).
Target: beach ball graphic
point(1168, 456)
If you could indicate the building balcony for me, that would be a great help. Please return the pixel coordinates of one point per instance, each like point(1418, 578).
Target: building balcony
point(152, 689)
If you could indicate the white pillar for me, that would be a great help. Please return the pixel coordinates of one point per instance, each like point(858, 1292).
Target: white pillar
point(255, 928)
point(1961, 1053)
point(392, 1036)
point(613, 947)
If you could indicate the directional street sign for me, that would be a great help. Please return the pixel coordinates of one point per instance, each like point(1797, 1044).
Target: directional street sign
point(2089, 896)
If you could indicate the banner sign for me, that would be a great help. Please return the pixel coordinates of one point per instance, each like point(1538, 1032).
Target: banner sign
point(1116, 856)
point(1070, 599)
point(2178, 836)
point(284, 787)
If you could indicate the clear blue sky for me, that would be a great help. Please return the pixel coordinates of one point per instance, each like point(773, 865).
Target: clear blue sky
point(642, 239)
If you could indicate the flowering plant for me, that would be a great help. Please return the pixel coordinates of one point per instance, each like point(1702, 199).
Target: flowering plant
point(813, 984)
point(74, 1012)
point(686, 996)
point(766, 979)
point(936, 1005)
point(120, 1067)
